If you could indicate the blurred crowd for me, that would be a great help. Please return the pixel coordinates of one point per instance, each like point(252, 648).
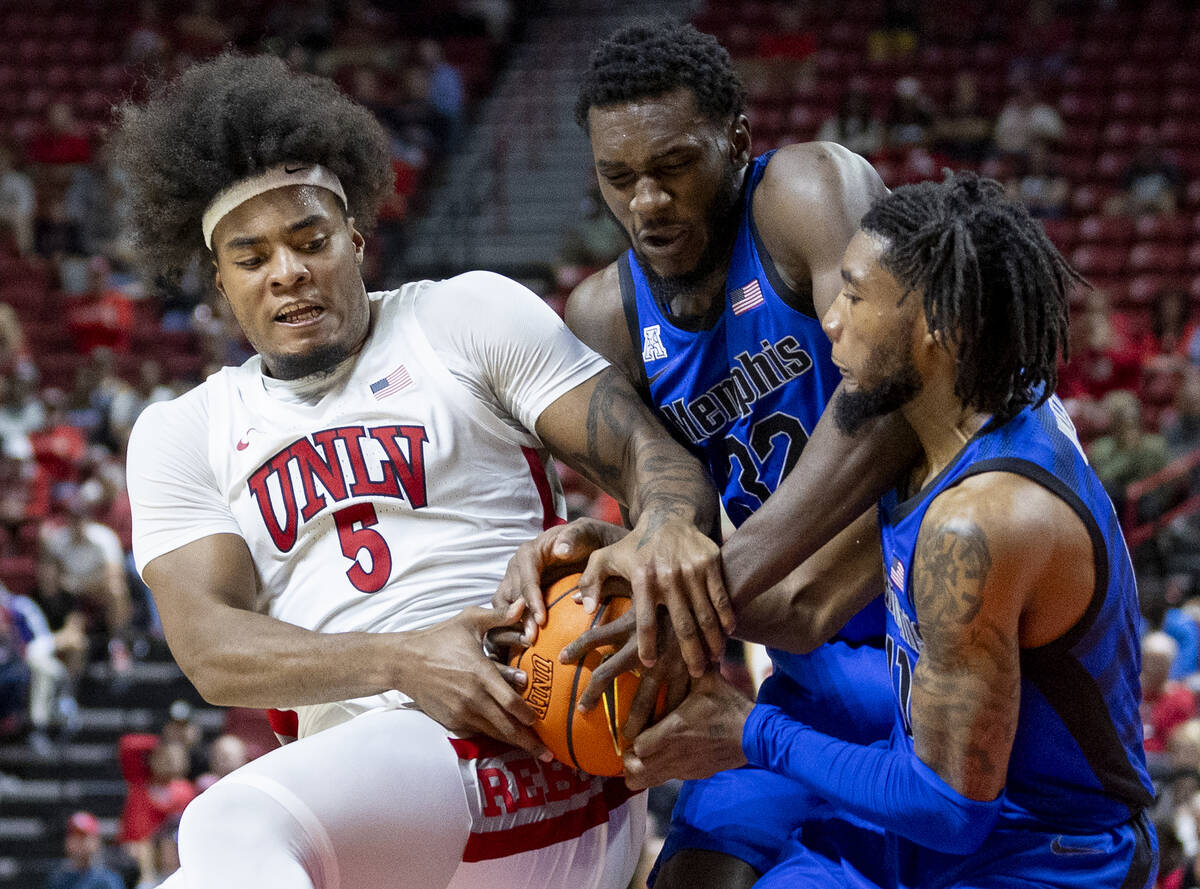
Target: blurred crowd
point(85, 347)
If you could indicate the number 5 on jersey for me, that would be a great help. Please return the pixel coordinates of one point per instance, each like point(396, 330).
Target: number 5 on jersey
point(355, 529)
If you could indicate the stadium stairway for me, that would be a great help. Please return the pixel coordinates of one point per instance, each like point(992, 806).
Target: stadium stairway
point(505, 201)
point(39, 792)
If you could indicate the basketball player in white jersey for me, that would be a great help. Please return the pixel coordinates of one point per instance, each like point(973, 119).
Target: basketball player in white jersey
point(320, 525)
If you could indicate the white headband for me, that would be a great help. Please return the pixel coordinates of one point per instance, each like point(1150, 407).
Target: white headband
point(278, 176)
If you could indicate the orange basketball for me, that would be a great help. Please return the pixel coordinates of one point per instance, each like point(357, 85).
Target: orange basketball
point(592, 741)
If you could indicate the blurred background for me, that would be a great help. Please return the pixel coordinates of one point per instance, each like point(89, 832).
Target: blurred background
point(1089, 112)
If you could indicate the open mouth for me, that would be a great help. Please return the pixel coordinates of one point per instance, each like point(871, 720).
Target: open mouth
point(661, 240)
point(303, 314)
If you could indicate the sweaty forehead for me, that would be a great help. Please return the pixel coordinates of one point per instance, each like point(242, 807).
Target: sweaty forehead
point(642, 128)
point(274, 212)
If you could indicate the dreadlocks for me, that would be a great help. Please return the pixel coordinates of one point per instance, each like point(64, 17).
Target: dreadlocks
point(649, 59)
point(229, 118)
point(992, 284)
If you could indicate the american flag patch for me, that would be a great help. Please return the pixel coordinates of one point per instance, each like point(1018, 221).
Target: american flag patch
point(897, 575)
point(746, 297)
point(392, 383)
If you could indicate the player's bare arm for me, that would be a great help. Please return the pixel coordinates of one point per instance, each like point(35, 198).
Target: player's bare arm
point(988, 580)
point(807, 209)
point(667, 558)
point(235, 656)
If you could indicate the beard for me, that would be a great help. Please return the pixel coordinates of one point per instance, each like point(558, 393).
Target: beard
point(899, 384)
point(721, 223)
point(321, 360)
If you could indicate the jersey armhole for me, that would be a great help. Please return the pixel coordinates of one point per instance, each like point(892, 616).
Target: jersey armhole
point(629, 305)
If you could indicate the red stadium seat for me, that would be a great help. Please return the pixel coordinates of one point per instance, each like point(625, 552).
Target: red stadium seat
point(1183, 101)
point(1136, 104)
point(1089, 197)
point(1097, 229)
point(1099, 259)
point(1193, 258)
point(1134, 75)
point(1155, 257)
point(1063, 233)
point(1144, 288)
point(1082, 106)
point(1176, 229)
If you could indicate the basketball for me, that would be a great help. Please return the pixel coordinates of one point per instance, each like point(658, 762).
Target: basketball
point(592, 741)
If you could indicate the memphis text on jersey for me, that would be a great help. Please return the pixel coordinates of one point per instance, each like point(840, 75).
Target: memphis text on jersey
point(733, 397)
point(346, 461)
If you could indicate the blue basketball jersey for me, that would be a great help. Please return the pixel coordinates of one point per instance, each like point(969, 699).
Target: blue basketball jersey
point(1077, 761)
point(744, 392)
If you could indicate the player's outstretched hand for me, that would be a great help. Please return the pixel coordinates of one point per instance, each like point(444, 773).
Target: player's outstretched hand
point(555, 550)
point(700, 737)
point(452, 681)
point(668, 562)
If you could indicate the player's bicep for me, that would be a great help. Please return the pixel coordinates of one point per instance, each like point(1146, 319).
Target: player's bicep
point(197, 586)
point(966, 686)
point(591, 428)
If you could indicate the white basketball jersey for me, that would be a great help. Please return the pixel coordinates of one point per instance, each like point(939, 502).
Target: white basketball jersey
point(391, 500)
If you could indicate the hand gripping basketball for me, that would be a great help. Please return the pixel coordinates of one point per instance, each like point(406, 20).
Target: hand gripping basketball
point(591, 742)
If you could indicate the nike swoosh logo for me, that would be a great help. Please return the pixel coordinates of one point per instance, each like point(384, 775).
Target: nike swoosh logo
point(654, 379)
point(290, 169)
point(1058, 848)
point(244, 441)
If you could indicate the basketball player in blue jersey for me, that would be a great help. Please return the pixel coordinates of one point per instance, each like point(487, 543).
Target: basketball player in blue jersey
point(1016, 755)
point(714, 313)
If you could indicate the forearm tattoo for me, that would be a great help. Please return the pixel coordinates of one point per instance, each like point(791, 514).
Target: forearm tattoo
point(632, 457)
point(966, 687)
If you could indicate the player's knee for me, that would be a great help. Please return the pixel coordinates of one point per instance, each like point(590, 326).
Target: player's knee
point(695, 868)
point(230, 816)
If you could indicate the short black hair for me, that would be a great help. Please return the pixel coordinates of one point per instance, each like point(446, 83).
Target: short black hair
point(228, 118)
point(651, 58)
point(992, 284)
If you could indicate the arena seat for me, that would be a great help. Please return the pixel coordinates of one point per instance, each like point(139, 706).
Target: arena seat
point(1099, 229)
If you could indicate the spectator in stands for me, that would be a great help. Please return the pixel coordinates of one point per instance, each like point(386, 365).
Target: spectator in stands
point(855, 125)
point(1152, 184)
point(163, 857)
point(81, 569)
point(15, 356)
point(785, 48)
point(1181, 428)
point(1166, 703)
point(21, 412)
point(24, 492)
point(14, 672)
point(62, 140)
point(226, 754)
point(147, 45)
point(103, 315)
point(201, 32)
point(155, 773)
point(909, 120)
point(963, 132)
point(1103, 355)
point(82, 868)
point(181, 728)
point(596, 238)
point(1025, 119)
point(59, 238)
point(59, 446)
point(1127, 453)
point(1039, 184)
point(896, 36)
point(1171, 861)
point(447, 93)
point(18, 201)
point(55, 662)
point(129, 401)
point(1043, 39)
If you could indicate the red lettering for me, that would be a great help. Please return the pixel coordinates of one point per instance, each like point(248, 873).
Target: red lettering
point(410, 471)
point(283, 535)
point(327, 470)
point(562, 782)
point(352, 437)
point(529, 794)
point(495, 788)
